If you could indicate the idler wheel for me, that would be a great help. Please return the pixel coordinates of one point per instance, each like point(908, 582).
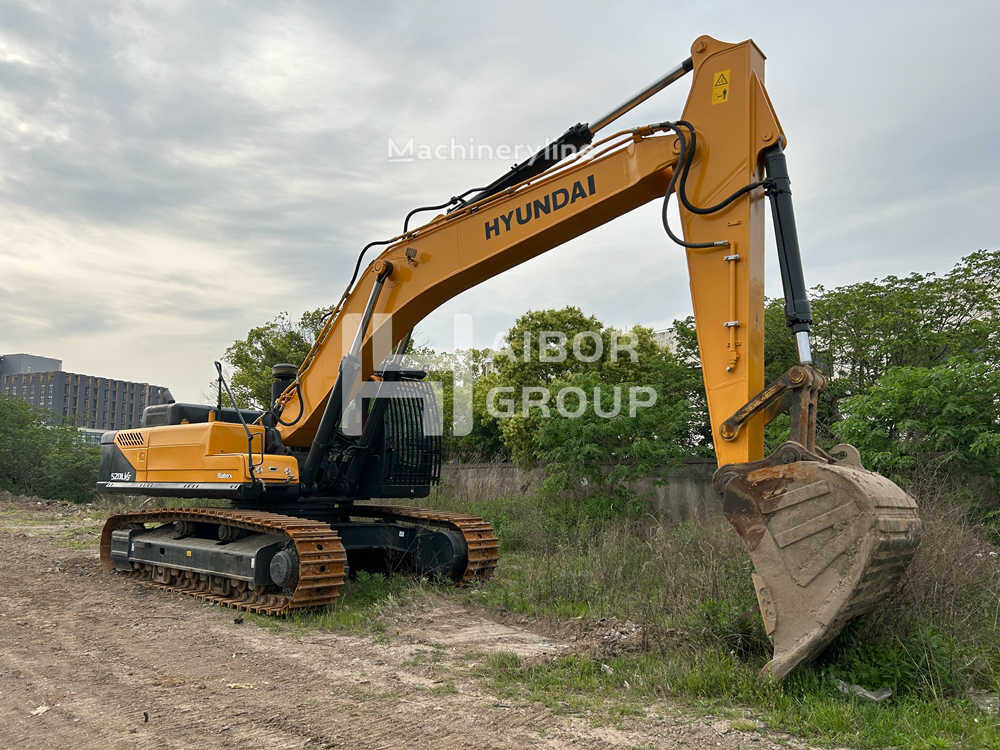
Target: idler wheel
point(284, 568)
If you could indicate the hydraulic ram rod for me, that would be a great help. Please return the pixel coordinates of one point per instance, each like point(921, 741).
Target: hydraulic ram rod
point(642, 96)
point(577, 137)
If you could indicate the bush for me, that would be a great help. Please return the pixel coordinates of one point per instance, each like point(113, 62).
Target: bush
point(944, 418)
point(939, 635)
point(44, 459)
point(941, 631)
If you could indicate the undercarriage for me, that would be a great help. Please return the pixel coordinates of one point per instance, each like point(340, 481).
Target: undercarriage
point(271, 563)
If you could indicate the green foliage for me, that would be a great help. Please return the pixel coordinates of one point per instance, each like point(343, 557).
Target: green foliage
point(944, 418)
point(603, 366)
point(735, 624)
point(685, 338)
point(594, 451)
point(520, 363)
point(519, 366)
point(862, 330)
point(581, 448)
point(921, 320)
point(365, 599)
point(924, 660)
point(39, 457)
point(481, 440)
point(278, 340)
point(711, 680)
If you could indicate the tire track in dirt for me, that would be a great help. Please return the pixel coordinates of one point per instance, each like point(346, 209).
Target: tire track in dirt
point(103, 653)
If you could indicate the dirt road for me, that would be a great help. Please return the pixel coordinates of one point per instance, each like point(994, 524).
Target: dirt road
point(90, 660)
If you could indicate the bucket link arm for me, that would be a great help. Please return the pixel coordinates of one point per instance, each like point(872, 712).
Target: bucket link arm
point(795, 392)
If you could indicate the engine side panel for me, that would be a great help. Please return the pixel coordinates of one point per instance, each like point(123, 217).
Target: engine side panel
point(208, 459)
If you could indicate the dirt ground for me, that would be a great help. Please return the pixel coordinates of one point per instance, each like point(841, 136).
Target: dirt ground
point(91, 660)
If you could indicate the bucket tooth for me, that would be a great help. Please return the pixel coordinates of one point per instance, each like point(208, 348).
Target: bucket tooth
point(829, 541)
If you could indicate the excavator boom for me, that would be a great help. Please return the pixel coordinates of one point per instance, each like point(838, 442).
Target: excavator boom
point(508, 226)
point(827, 538)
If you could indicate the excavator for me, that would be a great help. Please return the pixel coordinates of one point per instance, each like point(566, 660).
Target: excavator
point(353, 426)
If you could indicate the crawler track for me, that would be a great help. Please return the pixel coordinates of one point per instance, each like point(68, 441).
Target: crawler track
point(480, 540)
point(322, 560)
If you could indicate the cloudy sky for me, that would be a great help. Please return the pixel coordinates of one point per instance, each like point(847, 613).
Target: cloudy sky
point(173, 173)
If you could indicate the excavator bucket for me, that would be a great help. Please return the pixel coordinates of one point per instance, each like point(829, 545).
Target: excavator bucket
point(829, 541)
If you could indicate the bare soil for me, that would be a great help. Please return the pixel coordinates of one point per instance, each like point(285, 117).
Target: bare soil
point(92, 660)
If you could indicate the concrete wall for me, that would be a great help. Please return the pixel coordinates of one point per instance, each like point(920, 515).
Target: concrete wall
point(687, 493)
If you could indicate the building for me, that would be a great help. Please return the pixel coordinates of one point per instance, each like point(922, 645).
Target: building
point(90, 436)
point(89, 402)
point(666, 339)
point(17, 364)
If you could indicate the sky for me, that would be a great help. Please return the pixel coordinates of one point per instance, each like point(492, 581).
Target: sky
point(172, 174)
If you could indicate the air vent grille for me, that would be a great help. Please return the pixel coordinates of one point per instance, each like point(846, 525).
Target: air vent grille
point(129, 438)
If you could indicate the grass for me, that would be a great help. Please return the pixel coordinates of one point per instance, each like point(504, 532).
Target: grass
point(361, 607)
point(710, 679)
point(445, 688)
point(937, 639)
point(940, 637)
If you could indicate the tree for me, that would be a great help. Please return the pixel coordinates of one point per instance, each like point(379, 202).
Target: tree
point(862, 330)
point(920, 320)
point(69, 466)
point(278, 340)
point(609, 445)
point(944, 418)
point(537, 341)
point(22, 444)
point(553, 351)
point(42, 458)
point(484, 440)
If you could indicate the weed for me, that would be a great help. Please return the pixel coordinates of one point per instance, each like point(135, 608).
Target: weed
point(360, 607)
point(939, 636)
point(445, 688)
point(743, 725)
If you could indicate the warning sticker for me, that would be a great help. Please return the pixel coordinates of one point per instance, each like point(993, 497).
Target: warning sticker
point(720, 86)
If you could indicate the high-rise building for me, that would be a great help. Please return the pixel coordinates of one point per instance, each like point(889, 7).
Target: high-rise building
point(84, 400)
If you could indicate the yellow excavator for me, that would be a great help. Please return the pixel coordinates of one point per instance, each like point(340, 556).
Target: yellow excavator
point(828, 539)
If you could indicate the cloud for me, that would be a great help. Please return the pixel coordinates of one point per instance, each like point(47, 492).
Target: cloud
point(172, 174)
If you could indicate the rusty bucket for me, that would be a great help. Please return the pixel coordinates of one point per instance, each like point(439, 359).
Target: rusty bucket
point(829, 541)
